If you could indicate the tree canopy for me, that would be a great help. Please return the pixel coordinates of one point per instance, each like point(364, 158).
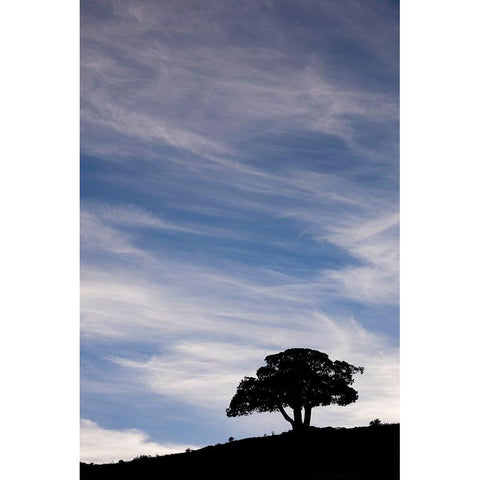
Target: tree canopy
point(298, 378)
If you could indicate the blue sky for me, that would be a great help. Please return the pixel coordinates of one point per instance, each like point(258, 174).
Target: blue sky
point(239, 196)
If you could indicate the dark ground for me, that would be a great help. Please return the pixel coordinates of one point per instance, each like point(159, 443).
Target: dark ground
point(367, 453)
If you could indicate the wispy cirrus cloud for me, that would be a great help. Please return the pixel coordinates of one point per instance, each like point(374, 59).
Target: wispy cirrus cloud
point(241, 197)
point(106, 227)
point(99, 236)
point(204, 97)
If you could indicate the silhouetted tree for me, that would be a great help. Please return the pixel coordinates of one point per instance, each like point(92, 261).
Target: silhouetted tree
point(299, 378)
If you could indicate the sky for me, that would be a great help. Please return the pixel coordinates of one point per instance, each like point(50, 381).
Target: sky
point(239, 196)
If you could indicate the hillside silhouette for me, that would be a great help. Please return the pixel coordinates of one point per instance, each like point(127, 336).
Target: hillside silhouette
point(360, 453)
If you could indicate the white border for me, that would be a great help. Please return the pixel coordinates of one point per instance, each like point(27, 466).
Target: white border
point(439, 238)
point(39, 188)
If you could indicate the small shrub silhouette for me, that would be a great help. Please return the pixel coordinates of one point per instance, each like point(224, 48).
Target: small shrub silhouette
point(141, 457)
point(375, 423)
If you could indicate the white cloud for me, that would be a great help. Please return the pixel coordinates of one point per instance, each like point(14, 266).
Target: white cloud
point(101, 445)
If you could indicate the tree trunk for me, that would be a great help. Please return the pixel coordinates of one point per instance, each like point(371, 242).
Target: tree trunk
point(307, 417)
point(297, 418)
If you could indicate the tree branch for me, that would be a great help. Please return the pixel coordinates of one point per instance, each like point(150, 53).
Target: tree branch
point(285, 415)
